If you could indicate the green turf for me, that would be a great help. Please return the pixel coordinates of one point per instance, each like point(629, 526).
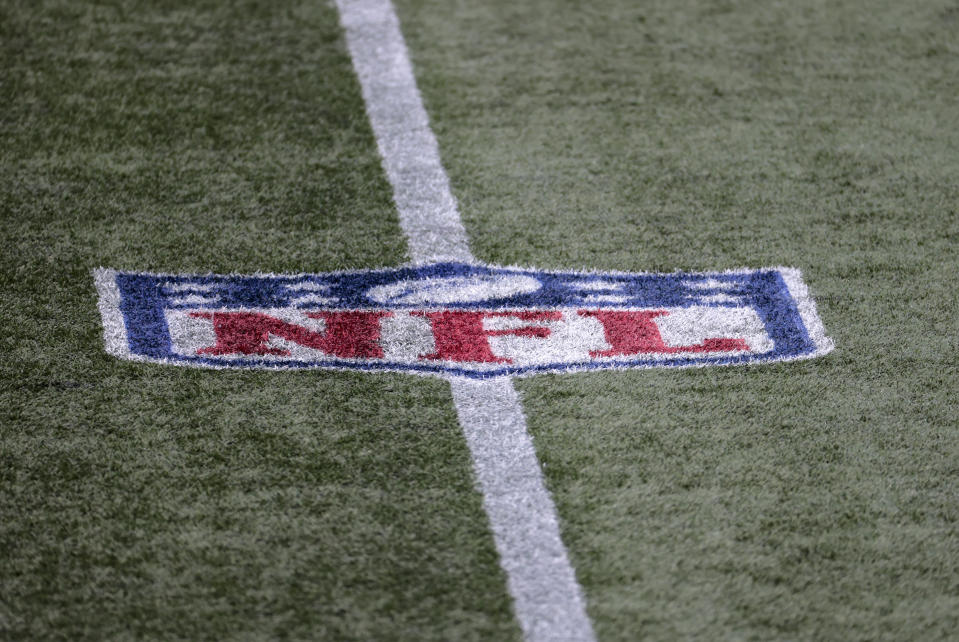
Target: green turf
point(149, 502)
point(810, 500)
point(795, 501)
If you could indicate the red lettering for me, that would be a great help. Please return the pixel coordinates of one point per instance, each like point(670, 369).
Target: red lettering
point(461, 337)
point(349, 334)
point(635, 332)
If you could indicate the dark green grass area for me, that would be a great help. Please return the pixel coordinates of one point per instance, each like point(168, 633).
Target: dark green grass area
point(812, 500)
point(152, 502)
point(198, 505)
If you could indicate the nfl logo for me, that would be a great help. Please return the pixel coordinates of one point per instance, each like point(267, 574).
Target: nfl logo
point(461, 319)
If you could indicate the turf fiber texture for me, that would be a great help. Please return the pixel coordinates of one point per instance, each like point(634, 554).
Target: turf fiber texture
point(812, 500)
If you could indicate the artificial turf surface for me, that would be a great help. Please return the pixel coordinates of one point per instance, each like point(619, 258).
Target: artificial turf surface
point(812, 500)
point(165, 503)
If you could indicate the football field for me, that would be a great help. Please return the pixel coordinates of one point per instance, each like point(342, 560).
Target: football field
point(815, 499)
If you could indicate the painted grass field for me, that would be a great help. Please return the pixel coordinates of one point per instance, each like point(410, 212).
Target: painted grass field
point(812, 500)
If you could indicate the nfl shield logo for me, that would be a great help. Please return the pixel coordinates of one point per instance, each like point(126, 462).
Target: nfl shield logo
point(461, 319)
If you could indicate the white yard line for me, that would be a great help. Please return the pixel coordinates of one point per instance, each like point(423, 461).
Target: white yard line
point(411, 157)
point(548, 601)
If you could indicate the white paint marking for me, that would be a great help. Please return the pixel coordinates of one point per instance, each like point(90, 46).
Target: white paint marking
point(303, 299)
point(454, 289)
point(807, 311)
point(171, 286)
point(194, 299)
point(597, 286)
point(717, 298)
point(548, 601)
point(108, 301)
point(308, 286)
point(605, 298)
point(421, 189)
point(711, 284)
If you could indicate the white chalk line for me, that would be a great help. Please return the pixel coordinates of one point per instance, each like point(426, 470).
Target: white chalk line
point(548, 601)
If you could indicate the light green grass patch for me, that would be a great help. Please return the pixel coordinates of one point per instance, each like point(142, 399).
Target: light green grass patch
point(793, 501)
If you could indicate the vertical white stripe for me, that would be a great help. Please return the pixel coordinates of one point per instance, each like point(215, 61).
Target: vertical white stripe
point(807, 310)
point(411, 157)
point(108, 302)
point(548, 601)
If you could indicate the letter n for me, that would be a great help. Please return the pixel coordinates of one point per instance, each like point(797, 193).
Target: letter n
point(349, 334)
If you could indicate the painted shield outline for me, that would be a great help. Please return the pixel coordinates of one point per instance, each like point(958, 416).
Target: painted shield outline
point(133, 307)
